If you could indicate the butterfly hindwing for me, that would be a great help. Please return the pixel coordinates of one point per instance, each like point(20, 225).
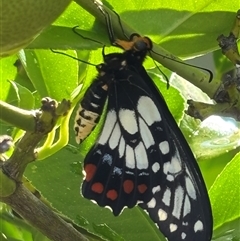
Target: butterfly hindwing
point(179, 206)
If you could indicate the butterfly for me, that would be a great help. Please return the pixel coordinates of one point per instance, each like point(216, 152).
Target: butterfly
point(141, 157)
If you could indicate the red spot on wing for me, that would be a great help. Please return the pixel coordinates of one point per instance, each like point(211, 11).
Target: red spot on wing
point(112, 194)
point(90, 170)
point(142, 188)
point(97, 187)
point(128, 186)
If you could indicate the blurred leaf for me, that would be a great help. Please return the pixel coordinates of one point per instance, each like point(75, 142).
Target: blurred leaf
point(173, 98)
point(215, 136)
point(25, 97)
point(52, 74)
point(228, 231)
point(107, 232)
point(8, 72)
point(225, 193)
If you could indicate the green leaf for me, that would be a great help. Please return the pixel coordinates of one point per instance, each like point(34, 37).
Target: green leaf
point(186, 25)
point(14, 228)
point(25, 97)
point(228, 231)
point(66, 38)
point(8, 72)
point(173, 98)
point(52, 74)
point(182, 29)
point(107, 232)
point(225, 193)
point(215, 136)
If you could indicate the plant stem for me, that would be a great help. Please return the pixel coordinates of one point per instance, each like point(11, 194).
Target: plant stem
point(40, 216)
point(17, 117)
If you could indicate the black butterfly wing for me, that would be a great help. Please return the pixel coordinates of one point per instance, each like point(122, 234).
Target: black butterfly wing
point(142, 157)
point(125, 164)
point(180, 207)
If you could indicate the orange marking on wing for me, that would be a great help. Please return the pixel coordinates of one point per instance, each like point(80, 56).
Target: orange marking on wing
point(142, 188)
point(90, 170)
point(128, 186)
point(112, 194)
point(97, 187)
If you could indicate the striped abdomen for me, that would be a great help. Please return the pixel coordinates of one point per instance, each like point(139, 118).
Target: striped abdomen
point(90, 109)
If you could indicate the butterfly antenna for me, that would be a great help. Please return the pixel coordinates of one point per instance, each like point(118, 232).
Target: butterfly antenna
point(165, 76)
point(120, 24)
point(72, 57)
point(191, 65)
point(76, 32)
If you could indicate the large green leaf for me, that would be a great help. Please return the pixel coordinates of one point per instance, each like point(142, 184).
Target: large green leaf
point(184, 29)
point(225, 193)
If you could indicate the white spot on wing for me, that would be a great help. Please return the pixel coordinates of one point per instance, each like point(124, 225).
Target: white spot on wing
point(107, 159)
point(183, 235)
point(141, 156)
point(178, 202)
point(121, 147)
point(198, 226)
point(162, 215)
point(130, 160)
point(173, 227)
point(145, 134)
point(167, 197)
point(155, 167)
point(111, 119)
point(164, 147)
point(128, 121)
point(166, 167)
point(170, 178)
point(148, 110)
point(115, 136)
point(117, 171)
point(156, 189)
point(190, 188)
point(94, 105)
point(187, 206)
point(174, 166)
point(152, 203)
